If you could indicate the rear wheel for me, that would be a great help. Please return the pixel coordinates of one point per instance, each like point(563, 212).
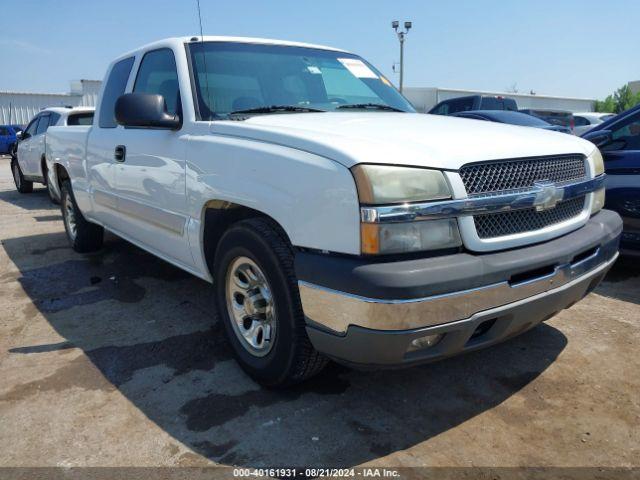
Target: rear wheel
point(83, 235)
point(22, 185)
point(257, 299)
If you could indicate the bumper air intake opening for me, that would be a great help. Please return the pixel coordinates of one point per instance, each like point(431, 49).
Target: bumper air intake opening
point(584, 256)
point(532, 275)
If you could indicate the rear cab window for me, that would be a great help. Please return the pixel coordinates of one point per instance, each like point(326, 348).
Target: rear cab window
point(85, 118)
point(116, 84)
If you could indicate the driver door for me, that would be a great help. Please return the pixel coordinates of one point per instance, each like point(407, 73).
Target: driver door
point(26, 147)
point(150, 178)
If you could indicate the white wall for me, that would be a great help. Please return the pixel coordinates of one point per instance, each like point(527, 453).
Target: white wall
point(424, 98)
point(19, 107)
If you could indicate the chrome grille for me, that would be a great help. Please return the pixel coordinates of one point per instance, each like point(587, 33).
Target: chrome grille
point(504, 175)
point(519, 221)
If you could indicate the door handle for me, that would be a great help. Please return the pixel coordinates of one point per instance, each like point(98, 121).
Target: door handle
point(120, 153)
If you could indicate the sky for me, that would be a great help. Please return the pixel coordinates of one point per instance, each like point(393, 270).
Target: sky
point(579, 48)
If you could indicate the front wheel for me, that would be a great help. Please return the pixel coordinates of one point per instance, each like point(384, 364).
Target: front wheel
point(257, 299)
point(83, 235)
point(22, 185)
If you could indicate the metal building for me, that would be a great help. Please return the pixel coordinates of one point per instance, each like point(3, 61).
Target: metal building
point(17, 108)
point(425, 98)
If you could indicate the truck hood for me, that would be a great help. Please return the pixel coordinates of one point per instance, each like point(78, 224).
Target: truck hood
point(401, 138)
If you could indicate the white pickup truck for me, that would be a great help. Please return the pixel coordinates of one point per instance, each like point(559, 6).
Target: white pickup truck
point(332, 220)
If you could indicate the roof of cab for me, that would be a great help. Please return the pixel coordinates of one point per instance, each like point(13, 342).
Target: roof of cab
point(207, 38)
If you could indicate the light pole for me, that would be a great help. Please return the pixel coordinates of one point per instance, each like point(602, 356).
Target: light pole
point(401, 35)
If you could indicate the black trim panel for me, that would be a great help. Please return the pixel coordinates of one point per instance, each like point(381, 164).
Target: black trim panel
point(424, 277)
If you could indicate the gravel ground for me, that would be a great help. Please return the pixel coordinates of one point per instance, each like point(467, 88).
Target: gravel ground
point(114, 359)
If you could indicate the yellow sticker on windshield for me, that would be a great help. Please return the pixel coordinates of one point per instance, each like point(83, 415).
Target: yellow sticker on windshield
point(385, 81)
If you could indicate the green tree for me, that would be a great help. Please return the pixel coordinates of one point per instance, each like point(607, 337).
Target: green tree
point(608, 105)
point(624, 99)
point(621, 100)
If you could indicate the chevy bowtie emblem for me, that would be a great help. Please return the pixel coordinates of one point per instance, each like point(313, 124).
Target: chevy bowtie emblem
point(548, 196)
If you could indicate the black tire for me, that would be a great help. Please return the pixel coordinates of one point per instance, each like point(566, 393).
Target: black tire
point(22, 185)
point(86, 236)
point(291, 358)
point(50, 192)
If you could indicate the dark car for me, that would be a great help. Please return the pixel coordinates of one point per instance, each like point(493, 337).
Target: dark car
point(619, 141)
point(8, 137)
point(554, 117)
point(473, 102)
point(512, 118)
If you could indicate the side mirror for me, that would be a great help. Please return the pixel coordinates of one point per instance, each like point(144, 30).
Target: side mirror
point(145, 110)
point(599, 138)
point(19, 135)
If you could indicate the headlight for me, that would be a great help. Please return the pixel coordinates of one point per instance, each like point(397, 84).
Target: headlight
point(387, 238)
point(598, 162)
point(598, 169)
point(598, 201)
point(384, 184)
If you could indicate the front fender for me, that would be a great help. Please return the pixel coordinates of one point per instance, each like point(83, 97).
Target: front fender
point(313, 198)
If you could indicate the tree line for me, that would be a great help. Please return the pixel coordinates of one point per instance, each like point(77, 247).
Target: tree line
point(619, 101)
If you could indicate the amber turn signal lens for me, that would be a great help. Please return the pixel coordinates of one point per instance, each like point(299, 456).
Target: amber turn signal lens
point(370, 238)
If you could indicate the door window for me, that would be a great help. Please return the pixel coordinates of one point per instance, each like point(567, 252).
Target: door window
point(580, 121)
point(158, 75)
point(627, 136)
point(116, 83)
point(43, 124)
point(441, 109)
point(4, 132)
point(462, 105)
point(53, 118)
point(31, 128)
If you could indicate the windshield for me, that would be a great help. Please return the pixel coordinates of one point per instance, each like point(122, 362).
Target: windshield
point(231, 77)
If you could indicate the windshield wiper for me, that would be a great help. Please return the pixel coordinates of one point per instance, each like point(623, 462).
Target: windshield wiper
point(372, 106)
point(277, 108)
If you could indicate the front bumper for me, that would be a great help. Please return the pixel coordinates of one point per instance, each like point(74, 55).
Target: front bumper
point(367, 312)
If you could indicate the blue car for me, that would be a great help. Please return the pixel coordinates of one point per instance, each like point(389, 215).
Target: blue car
point(619, 141)
point(8, 138)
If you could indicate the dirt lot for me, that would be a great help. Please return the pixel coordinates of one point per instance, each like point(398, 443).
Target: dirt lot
point(115, 359)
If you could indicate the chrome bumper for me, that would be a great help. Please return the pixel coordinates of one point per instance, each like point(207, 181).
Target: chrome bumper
point(365, 348)
point(336, 311)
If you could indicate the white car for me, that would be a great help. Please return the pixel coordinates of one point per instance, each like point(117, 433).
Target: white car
point(585, 121)
point(30, 164)
point(332, 220)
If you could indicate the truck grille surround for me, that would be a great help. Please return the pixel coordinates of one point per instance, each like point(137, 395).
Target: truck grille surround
point(501, 177)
